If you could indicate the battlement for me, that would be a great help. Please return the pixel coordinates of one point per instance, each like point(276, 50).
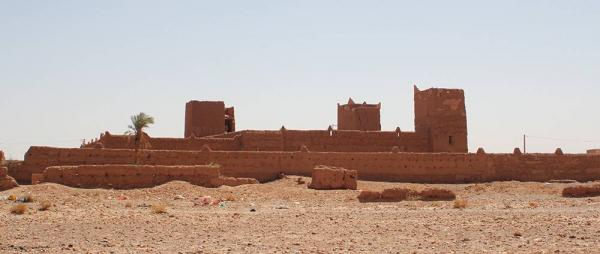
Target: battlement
point(362, 117)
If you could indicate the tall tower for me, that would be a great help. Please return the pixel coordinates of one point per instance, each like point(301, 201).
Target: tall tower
point(206, 118)
point(362, 117)
point(441, 115)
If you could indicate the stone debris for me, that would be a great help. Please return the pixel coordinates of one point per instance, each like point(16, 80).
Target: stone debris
point(333, 178)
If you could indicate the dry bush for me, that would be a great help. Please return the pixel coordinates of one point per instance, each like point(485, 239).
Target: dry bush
point(159, 208)
point(128, 205)
point(229, 198)
point(580, 191)
point(433, 194)
point(19, 209)
point(27, 198)
point(533, 204)
point(460, 204)
point(45, 205)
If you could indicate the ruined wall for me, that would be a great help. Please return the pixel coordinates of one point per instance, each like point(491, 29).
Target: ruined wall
point(383, 166)
point(204, 118)
point(136, 176)
point(362, 117)
point(593, 151)
point(441, 115)
point(6, 181)
point(110, 141)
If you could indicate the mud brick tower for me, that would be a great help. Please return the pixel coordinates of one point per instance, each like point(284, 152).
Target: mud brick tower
point(206, 118)
point(441, 115)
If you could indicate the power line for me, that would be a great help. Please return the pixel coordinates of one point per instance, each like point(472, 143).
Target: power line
point(566, 139)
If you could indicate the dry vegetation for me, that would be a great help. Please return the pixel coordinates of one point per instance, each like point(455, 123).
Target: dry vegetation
point(27, 198)
point(45, 205)
point(460, 204)
point(159, 208)
point(19, 209)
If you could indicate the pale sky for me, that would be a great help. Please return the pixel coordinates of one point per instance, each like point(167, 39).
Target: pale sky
point(72, 69)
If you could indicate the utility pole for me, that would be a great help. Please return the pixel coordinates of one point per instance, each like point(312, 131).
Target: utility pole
point(524, 143)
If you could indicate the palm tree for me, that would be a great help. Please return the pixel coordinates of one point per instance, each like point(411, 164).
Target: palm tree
point(138, 123)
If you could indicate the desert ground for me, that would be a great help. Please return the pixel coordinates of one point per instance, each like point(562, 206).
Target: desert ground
point(284, 216)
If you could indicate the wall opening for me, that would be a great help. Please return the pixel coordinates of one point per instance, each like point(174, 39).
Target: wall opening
point(450, 140)
point(229, 125)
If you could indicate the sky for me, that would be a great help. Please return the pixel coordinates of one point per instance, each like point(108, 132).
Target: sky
point(70, 70)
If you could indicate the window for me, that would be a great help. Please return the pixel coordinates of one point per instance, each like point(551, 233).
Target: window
point(450, 140)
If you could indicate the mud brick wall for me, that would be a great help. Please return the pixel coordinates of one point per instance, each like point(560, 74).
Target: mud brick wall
point(285, 140)
point(6, 182)
point(380, 166)
point(130, 176)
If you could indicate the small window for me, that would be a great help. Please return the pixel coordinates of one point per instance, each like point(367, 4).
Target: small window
point(451, 140)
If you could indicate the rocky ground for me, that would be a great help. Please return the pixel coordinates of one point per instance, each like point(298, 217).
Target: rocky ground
point(286, 217)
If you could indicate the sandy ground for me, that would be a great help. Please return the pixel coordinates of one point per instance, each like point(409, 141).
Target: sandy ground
point(510, 217)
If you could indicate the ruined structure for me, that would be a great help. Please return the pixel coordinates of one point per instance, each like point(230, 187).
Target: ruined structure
point(333, 178)
point(206, 118)
point(594, 151)
point(436, 152)
point(440, 126)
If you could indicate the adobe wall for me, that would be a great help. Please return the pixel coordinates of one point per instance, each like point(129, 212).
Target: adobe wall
point(593, 151)
point(128, 176)
point(285, 140)
point(107, 140)
point(135, 176)
point(6, 182)
point(383, 166)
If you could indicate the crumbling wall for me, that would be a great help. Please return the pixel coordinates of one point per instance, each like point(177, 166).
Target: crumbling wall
point(593, 151)
point(333, 178)
point(137, 176)
point(6, 182)
point(382, 166)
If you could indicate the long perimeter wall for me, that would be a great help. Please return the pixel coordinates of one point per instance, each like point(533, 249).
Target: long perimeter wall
point(283, 140)
point(382, 166)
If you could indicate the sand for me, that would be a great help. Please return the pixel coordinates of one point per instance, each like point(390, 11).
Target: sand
point(286, 217)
